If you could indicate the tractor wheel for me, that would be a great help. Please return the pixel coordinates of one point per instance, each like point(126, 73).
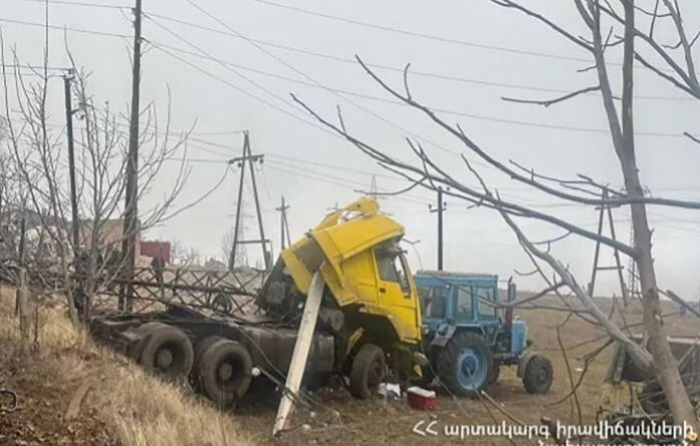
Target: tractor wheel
point(224, 371)
point(464, 365)
point(538, 374)
point(495, 373)
point(168, 352)
point(368, 371)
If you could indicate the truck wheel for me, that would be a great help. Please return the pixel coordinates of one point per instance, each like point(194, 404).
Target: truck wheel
point(224, 371)
point(538, 374)
point(143, 330)
point(368, 371)
point(167, 351)
point(464, 365)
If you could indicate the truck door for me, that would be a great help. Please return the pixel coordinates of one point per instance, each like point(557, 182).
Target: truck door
point(396, 292)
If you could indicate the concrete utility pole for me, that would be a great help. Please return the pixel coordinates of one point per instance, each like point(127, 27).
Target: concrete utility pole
point(132, 168)
point(75, 225)
point(284, 225)
point(440, 208)
point(248, 159)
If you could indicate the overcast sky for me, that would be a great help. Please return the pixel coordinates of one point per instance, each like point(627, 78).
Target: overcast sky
point(314, 170)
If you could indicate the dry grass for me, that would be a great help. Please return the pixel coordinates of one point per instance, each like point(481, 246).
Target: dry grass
point(136, 408)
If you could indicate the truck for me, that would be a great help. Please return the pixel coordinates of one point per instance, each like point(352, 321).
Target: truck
point(470, 333)
point(369, 324)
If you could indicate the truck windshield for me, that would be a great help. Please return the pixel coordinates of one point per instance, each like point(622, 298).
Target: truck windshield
point(392, 268)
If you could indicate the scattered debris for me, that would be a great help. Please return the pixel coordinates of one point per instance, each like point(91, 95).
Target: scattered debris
point(9, 401)
point(75, 402)
point(421, 399)
point(390, 390)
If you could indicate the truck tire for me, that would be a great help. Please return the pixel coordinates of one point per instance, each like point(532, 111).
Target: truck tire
point(368, 371)
point(143, 330)
point(224, 372)
point(168, 352)
point(464, 365)
point(538, 374)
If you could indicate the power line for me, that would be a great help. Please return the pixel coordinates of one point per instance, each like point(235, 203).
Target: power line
point(80, 4)
point(439, 76)
point(441, 110)
point(422, 35)
point(305, 75)
point(64, 28)
point(241, 90)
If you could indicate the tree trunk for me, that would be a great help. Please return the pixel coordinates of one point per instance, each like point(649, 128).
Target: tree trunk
point(22, 296)
point(622, 131)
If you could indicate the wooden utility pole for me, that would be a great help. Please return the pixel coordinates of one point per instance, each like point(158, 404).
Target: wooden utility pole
point(284, 225)
point(248, 159)
point(75, 225)
point(440, 208)
point(132, 168)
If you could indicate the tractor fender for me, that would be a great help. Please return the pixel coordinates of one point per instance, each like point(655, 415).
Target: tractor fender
point(523, 362)
point(443, 335)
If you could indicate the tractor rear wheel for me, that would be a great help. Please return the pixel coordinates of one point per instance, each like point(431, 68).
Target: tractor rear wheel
point(465, 364)
point(167, 351)
point(538, 374)
point(368, 371)
point(224, 371)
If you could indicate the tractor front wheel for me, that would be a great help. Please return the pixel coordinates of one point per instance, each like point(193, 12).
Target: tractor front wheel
point(538, 374)
point(465, 364)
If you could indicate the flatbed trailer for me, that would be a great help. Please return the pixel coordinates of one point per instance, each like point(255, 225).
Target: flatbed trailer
point(218, 355)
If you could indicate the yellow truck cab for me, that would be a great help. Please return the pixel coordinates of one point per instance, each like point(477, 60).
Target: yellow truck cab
point(370, 300)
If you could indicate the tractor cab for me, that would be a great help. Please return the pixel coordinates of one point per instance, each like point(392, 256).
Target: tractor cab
point(469, 331)
point(469, 300)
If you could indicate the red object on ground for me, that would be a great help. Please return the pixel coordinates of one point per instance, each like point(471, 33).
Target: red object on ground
point(155, 248)
point(421, 399)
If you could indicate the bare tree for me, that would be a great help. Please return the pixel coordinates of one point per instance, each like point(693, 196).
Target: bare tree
point(619, 111)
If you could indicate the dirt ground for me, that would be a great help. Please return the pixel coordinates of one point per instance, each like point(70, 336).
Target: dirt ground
point(45, 388)
point(381, 422)
point(42, 404)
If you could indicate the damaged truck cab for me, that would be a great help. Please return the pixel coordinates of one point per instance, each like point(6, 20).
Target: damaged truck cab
point(370, 303)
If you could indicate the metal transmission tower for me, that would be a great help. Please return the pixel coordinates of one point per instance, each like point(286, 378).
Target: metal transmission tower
point(606, 210)
point(284, 225)
point(373, 188)
point(248, 160)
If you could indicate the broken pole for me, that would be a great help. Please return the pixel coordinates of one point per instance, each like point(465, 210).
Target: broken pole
point(301, 352)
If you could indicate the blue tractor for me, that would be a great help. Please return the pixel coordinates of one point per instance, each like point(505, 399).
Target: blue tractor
point(470, 333)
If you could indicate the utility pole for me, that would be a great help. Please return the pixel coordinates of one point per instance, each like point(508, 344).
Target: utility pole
point(132, 168)
point(440, 208)
point(75, 225)
point(284, 225)
point(606, 210)
point(248, 159)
